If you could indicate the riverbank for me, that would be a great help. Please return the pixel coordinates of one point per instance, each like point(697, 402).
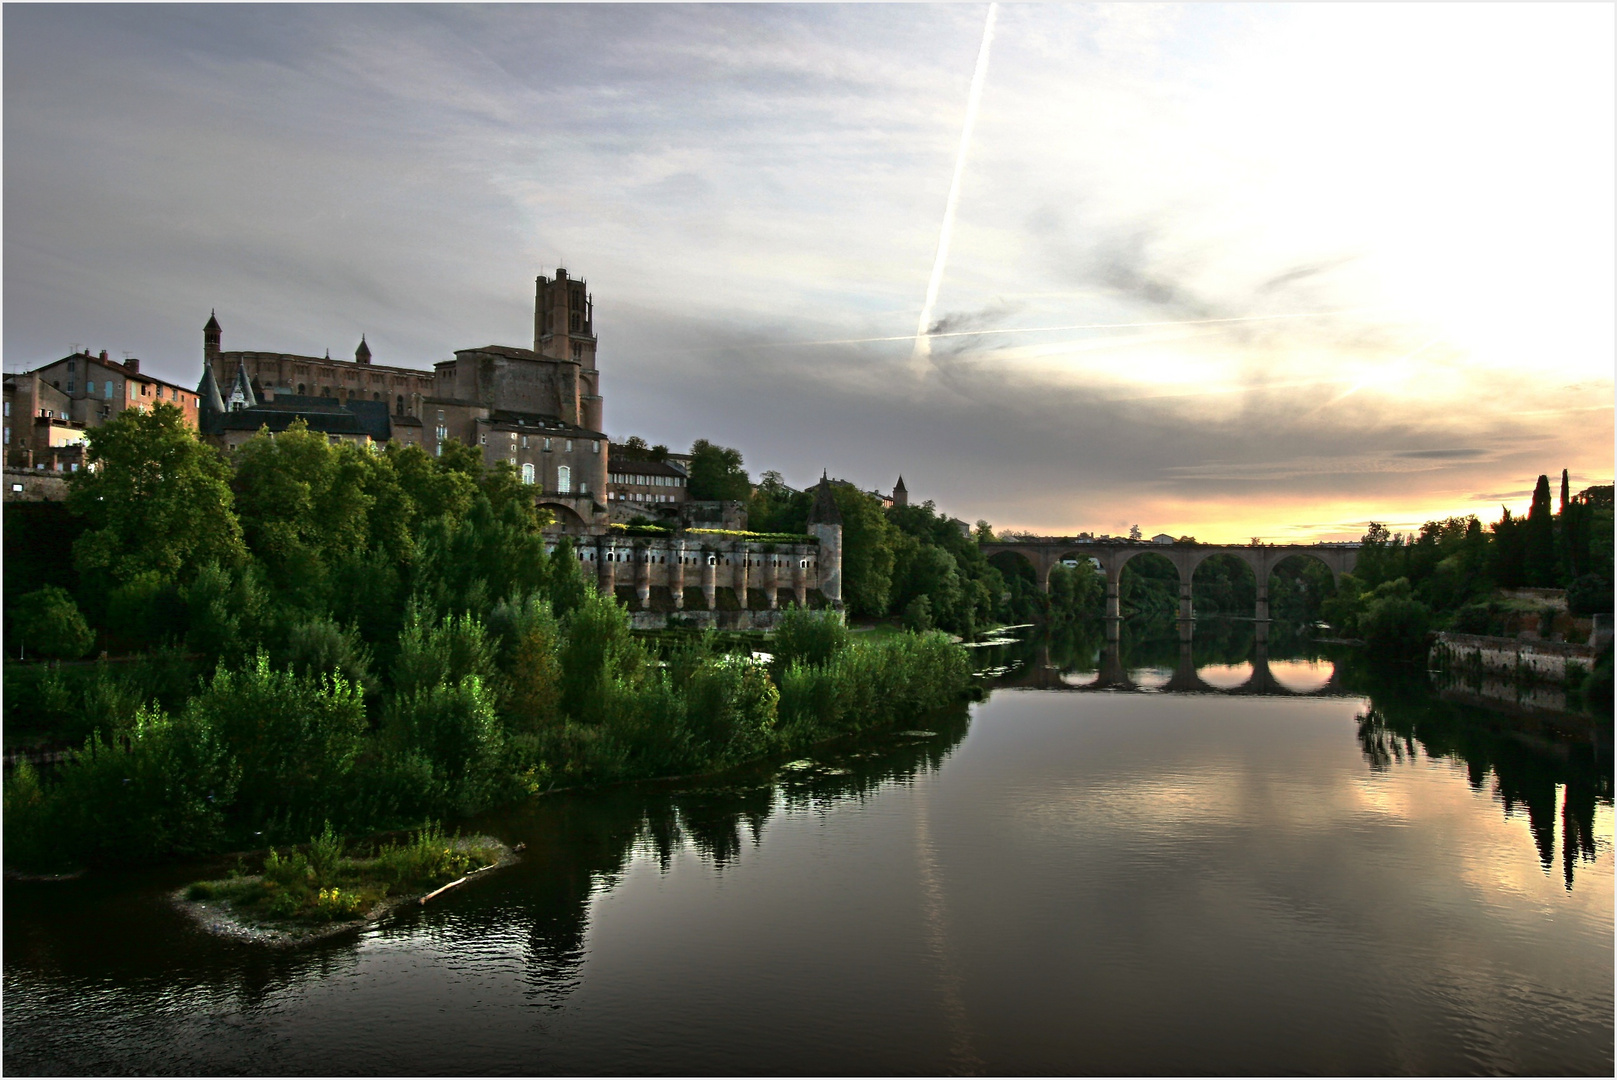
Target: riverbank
point(262, 755)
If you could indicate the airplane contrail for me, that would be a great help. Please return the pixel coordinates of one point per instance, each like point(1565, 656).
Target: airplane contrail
point(923, 341)
point(1046, 329)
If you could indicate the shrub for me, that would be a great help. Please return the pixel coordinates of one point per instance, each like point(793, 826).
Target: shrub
point(918, 615)
point(596, 649)
point(1589, 595)
point(808, 637)
point(161, 789)
point(453, 725)
point(730, 709)
point(49, 623)
point(533, 681)
point(430, 656)
point(145, 611)
point(296, 738)
point(1394, 623)
point(318, 646)
point(225, 612)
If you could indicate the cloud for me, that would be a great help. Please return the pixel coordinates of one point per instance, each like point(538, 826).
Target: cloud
point(733, 178)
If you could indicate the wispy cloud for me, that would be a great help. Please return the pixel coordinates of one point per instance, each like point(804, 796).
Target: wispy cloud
point(1201, 270)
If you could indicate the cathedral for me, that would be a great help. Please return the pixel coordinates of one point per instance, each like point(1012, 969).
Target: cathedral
point(538, 409)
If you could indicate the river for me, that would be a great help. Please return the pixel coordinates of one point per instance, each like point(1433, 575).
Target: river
point(1283, 864)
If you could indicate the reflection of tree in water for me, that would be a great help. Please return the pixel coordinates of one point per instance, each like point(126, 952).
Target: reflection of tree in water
point(580, 844)
point(1528, 762)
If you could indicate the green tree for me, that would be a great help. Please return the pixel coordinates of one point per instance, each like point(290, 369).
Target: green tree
point(716, 473)
point(301, 500)
point(1507, 561)
point(774, 507)
point(433, 491)
point(49, 623)
point(867, 552)
point(154, 499)
point(1539, 556)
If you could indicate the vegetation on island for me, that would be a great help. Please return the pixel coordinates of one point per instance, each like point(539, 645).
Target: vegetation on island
point(374, 640)
point(323, 882)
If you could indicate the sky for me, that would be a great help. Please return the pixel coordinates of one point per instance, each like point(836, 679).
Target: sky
point(1222, 271)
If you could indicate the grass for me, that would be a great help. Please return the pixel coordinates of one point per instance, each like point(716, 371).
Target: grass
point(322, 884)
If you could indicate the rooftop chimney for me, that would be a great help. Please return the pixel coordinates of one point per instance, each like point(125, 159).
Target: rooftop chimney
point(103, 356)
point(132, 364)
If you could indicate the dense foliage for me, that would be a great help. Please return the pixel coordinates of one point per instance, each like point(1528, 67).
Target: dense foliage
point(374, 640)
point(1448, 575)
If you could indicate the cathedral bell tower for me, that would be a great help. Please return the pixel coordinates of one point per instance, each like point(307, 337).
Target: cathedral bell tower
point(564, 330)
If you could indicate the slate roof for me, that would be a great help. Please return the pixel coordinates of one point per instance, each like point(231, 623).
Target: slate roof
point(824, 511)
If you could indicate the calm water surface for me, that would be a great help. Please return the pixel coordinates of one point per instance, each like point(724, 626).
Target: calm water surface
point(1071, 879)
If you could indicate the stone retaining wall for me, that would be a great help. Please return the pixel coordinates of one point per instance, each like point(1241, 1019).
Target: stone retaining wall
point(1544, 661)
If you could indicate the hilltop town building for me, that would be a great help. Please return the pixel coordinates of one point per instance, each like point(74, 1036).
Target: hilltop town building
point(48, 410)
point(647, 483)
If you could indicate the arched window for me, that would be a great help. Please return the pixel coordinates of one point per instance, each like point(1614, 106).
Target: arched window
point(398, 406)
point(527, 472)
point(564, 480)
point(300, 389)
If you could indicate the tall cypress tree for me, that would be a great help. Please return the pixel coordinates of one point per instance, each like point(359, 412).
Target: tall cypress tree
point(1567, 533)
point(1541, 536)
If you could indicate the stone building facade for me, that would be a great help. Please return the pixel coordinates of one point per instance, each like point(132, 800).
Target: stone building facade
point(656, 484)
point(710, 578)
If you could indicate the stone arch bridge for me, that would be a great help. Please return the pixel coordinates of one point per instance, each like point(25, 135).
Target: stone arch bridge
point(1046, 552)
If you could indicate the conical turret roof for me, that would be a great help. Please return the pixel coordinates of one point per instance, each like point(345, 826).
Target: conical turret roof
point(362, 353)
point(212, 323)
point(208, 392)
point(824, 511)
point(244, 387)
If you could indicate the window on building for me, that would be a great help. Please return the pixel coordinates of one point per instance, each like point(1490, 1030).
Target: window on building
point(524, 442)
point(583, 487)
point(482, 439)
point(70, 386)
point(8, 433)
point(547, 442)
point(89, 386)
point(564, 480)
point(300, 389)
point(578, 352)
point(527, 472)
point(398, 405)
point(596, 447)
point(134, 391)
point(8, 408)
point(569, 446)
point(107, 390)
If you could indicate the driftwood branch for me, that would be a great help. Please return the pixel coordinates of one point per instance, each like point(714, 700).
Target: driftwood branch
point(457, 881)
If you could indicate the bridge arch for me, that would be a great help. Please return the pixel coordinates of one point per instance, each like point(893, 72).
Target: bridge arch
point(1235, 594)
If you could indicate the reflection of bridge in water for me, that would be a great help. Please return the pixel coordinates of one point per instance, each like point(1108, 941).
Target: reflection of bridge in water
point(1046, 552)
point(1040, 674)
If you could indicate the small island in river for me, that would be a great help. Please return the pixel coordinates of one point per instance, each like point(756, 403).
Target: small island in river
point(319, 892)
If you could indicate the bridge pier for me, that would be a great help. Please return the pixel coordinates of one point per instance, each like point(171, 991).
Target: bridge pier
point(1261, 623)
point(1186, 614)
point(1114, 606)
